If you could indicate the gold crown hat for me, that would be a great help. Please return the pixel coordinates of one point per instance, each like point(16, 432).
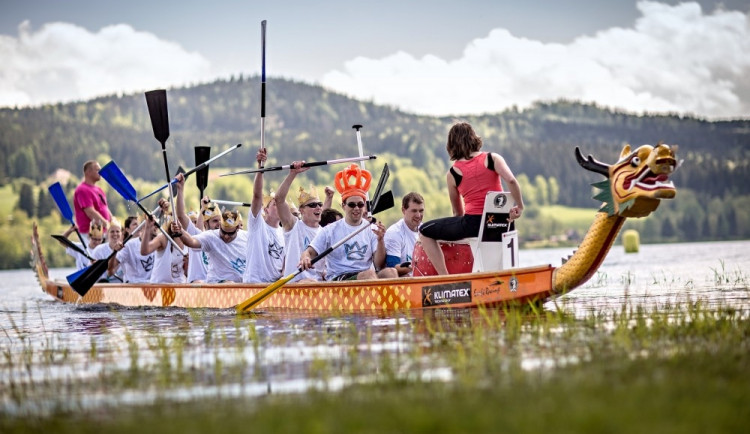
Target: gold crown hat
point(267, 198)
point(210, 210)
point(193, 216)
point(305, 196)
point(230, 220)
point(96, 229)
point(352, 181)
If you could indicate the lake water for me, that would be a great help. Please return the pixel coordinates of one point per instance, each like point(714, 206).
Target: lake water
point(64, 356)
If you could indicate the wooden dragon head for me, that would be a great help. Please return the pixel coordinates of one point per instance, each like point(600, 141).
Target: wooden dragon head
point(637, 182)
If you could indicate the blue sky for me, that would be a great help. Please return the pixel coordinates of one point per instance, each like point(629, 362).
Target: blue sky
point(431, 57)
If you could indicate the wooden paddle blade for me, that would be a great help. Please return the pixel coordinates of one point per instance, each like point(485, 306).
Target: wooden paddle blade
point(114, 176)
point(202, 154)
point(81, 281)
point(57, 193)
point(264, 294)
point(157, 109)
point(385, 202)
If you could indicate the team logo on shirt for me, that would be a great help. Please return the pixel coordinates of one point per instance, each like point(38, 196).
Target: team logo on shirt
point(355, 252)
point(275, 250)
point(176, 271)
point(204, 256)
point(238, 265)
point(148, 263)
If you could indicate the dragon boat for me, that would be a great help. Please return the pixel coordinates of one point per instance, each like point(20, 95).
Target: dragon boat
point(633, 188)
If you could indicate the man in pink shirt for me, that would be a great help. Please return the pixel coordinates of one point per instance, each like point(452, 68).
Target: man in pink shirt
point(89, 201)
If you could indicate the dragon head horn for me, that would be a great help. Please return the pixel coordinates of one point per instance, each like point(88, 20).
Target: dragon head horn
point(591, 164)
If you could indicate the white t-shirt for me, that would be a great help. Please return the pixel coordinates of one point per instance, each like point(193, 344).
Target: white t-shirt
point(355, 255)
point(136, 268)
point(197, 259)
point(168, 266)
point(400, 241)
point(265, 251)
point(226, 261)
point(295, 242)
point(81, 260)
point(102, 251)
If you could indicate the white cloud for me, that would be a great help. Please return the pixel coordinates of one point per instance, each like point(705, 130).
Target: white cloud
point(64, 62)
point(675, 59)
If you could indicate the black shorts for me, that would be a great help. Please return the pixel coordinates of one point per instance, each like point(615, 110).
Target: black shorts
point(452, 228)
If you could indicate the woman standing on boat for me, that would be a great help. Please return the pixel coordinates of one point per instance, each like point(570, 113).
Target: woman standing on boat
point(473, 174)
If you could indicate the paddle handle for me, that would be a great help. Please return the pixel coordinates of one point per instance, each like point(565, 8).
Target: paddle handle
point(231, 203)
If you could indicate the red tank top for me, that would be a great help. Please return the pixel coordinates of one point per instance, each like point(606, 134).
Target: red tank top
point(476, 181)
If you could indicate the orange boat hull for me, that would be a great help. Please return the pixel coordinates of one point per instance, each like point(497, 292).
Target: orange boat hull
point(518, 285)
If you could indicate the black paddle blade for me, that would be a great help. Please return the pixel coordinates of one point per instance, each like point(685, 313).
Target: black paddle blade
point(379, 189)
point(83, 280)
point(157, 109)
point(174, 186)
point(385, 201)
point(202, 154)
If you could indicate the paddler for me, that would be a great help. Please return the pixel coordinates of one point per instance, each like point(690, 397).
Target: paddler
point(363, 256)
point(265, 246)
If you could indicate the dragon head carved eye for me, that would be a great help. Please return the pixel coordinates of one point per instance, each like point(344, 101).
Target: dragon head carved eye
point(635, 162)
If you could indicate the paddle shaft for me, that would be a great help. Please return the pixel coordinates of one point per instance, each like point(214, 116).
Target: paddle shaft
point(191, 171)
point(72, 245)
point(150, 215)
point(231, 203)
point(310, 164)
point(263, 87)
point(361, 152)
point(269, 290)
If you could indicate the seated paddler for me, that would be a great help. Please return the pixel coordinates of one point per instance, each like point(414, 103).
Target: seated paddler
point(363, 256)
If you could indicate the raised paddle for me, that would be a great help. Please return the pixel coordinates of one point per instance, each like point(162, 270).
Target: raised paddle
point(263, 87)
point(310, 164)
point(114, 176)
point(267, 291)
point(202, 154)
point(198, 168)
point(231, 203)
point(72, 245)
point(82, 280)
point(387, 197)
point(157, 110)
point(57, 193)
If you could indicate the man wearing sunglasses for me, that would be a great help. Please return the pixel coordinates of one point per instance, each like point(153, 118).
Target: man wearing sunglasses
point(265, 247)
point(299, 231)
point(359, 257)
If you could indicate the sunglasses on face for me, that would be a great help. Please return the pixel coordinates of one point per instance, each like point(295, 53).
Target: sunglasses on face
point(96, 240)
point(227, 234)
point(313, 205)
point(355, 204)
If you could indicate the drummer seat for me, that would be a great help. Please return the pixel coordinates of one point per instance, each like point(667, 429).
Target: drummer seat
point(496, 246)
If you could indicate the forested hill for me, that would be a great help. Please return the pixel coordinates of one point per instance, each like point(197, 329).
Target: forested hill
point(308, 122)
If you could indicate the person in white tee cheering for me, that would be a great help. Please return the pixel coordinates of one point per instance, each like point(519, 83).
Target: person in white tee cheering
point(363, 256)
